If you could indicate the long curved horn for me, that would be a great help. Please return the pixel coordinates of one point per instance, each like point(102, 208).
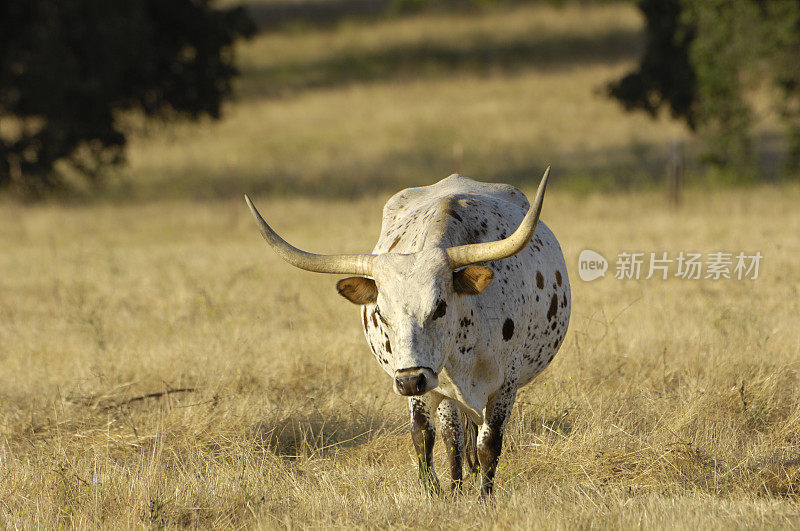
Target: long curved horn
point(339, 264)
point(464, 255)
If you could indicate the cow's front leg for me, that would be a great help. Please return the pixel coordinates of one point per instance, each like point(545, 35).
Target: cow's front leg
point(490, 435)
point(453, 439)
point(423, 435)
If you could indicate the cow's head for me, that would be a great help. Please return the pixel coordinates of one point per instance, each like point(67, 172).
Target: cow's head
point(415, 302)
point(415, 294)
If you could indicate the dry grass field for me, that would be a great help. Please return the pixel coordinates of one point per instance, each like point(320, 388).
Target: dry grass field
point(162, 368)
point(672, 403)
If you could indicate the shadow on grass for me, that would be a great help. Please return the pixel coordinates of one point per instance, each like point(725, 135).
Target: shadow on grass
point(313, 13)
point(625, 168)
point(638, 166)
point(643, 166)
point(482, 57)
point(580, 172)
point(293, 433)
point(530, 420)
point(276, 14)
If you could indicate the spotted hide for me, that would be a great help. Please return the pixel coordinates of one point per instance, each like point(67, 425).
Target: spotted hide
point(458, 336)
point(485, 346)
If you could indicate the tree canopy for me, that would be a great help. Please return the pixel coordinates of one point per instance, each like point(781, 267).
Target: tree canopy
point(67, 69)
point(703, 58)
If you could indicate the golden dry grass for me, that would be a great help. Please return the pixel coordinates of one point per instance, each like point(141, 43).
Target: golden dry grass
point(671, 404)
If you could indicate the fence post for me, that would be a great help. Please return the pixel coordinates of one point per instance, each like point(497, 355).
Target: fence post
point(675, 166)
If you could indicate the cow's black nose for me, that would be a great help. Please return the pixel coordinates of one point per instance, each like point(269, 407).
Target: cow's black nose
point(411, 385)
point(414, 381)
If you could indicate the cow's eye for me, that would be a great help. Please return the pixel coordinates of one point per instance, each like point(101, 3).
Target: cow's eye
point(440, 310)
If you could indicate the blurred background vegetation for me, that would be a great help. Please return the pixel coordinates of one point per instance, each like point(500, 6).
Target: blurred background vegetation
point(141, 100)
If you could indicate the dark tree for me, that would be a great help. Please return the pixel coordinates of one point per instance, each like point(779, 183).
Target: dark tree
point(68, 67)
point(702, 60)
point(665, 75)
point(787, 74)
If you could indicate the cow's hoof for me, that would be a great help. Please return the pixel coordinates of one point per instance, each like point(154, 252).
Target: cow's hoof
point(431, 484)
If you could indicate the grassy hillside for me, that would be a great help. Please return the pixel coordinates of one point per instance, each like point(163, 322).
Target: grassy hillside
point(375, 106)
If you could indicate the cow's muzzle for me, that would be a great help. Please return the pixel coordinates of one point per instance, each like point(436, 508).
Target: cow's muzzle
point(414, 381)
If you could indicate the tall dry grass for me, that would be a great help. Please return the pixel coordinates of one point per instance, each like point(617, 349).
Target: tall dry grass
point(672, 403)
point(162, 368)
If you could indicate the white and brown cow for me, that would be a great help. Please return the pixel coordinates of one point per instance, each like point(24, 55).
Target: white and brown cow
point(464, 300)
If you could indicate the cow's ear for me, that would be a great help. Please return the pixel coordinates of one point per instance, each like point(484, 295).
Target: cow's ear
point(358, 290)
point(472, 280)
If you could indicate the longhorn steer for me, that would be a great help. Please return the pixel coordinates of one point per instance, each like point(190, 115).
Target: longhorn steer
point(464, 300)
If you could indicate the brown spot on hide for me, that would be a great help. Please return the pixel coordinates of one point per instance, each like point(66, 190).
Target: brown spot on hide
point(388, 347)
point(508, 329)
point(394, 243)
point(539, 280)
point(553, 307)
point(440, 310)
point(558, 277)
